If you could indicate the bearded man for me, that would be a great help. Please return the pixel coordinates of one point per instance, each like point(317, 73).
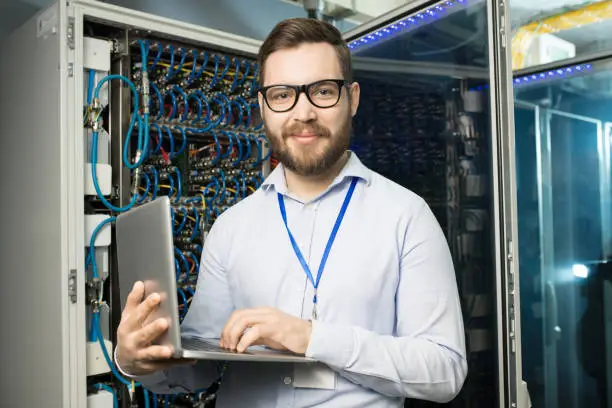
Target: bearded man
point(327, 259)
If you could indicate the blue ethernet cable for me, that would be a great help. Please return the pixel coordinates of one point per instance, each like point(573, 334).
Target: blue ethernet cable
point(174, 111)
point(214, 80)
point(246, 72)
point(237, 69)
point(194, 62)
point(203, 99)
point(238, 193)
point(184, 142)
point(178, 230)
point(247, 107)
point(247, 155)
point(228, 105)
point(171, 154)
point(94, 142)
point(160, 111)
point(240, 120)
point(171, 182)
point(155, 182)
point(243, 183)
point(195, 97)
point(230, 147)
point(183, 260)
point(181, 91)
point(160, 51)
point(160, 138)
point(146, 192)
point(240, 155)
point(179, 185)
point(197, 75)
point(195, 260)
point(171, 65)
point(213, 183)
point(184, 298)
point(228, 62)
point(259, 152)
point(183, 56)
point(90, 82)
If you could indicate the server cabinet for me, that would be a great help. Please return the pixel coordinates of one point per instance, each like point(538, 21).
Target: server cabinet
point(436, 116)
point(55, 209)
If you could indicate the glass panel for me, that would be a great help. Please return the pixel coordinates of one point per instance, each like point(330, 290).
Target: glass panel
point(424, 121)
point(563, 165)
point(558, 32)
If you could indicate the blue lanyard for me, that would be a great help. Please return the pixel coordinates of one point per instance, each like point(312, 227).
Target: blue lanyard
point(330, 241)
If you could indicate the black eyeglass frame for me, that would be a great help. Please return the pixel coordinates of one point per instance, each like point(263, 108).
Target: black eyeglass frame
point(341, 83)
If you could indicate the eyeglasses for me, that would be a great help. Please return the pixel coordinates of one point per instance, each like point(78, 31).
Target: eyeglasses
point(322, 94)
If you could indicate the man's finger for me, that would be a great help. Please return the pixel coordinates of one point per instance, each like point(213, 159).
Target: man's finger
point(134, 298)
point(250, 338)
point(144, 310)
point(248, 315)
point(155, 354)
point(247, 321)
point(150, 332)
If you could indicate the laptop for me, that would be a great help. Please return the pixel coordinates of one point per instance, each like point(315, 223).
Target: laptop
point(145, 252)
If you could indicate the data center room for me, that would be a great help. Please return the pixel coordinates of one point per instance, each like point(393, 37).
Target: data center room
point(563, 119)
point(425, 121)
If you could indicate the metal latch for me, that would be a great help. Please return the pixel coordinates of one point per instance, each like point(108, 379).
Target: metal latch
point(70, 33)
point(72, 285)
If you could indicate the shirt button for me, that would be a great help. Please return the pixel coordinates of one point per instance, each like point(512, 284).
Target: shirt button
point(287, 380)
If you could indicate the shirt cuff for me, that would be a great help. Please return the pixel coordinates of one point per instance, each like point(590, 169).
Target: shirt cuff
point(154, 378)
point(331, 344)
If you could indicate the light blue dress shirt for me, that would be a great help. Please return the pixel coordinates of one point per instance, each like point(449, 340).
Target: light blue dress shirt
point(389, 319)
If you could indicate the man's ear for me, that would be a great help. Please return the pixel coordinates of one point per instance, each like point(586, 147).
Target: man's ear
point(354, 91)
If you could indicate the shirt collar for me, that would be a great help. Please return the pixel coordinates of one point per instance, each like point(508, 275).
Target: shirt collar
point(353, 168)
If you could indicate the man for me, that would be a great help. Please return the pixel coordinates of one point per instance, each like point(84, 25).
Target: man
point(375, 303)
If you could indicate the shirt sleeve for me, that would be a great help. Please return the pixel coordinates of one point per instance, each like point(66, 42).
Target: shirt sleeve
point(210, 308)
point(426, 357)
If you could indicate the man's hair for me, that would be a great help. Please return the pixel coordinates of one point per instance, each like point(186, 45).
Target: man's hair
point(294, 32)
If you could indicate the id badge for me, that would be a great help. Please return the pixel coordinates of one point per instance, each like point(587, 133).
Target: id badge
point(318, 376)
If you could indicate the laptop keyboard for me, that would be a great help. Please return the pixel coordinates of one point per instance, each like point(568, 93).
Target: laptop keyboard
point(196, 344)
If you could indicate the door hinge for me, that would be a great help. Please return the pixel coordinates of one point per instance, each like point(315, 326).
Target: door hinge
point(502, 23)
point(72, 285)
point(70, 33)
point(511, 300)
point(70, 69)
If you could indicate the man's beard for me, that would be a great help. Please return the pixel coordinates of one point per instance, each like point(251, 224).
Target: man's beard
point(312, 160)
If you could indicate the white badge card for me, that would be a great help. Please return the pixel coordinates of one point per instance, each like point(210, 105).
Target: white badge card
point(316, 375)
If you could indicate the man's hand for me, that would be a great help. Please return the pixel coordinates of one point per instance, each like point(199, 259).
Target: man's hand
point(266, 326)
point(135, 353)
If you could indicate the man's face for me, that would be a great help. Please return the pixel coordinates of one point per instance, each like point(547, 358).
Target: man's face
point(307, 139)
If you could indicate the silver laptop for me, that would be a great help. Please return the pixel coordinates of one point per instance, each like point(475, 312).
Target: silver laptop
point(145, 252)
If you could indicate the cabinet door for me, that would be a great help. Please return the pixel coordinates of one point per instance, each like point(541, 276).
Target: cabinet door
point(37, 339)
point(436, 117)
point(563, 161)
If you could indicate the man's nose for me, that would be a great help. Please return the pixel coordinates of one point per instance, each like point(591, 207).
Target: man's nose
point(303, 110)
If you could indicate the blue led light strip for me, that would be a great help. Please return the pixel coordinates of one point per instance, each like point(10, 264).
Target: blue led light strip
point(546, 76)
point(407, 23)
point(553, 74)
